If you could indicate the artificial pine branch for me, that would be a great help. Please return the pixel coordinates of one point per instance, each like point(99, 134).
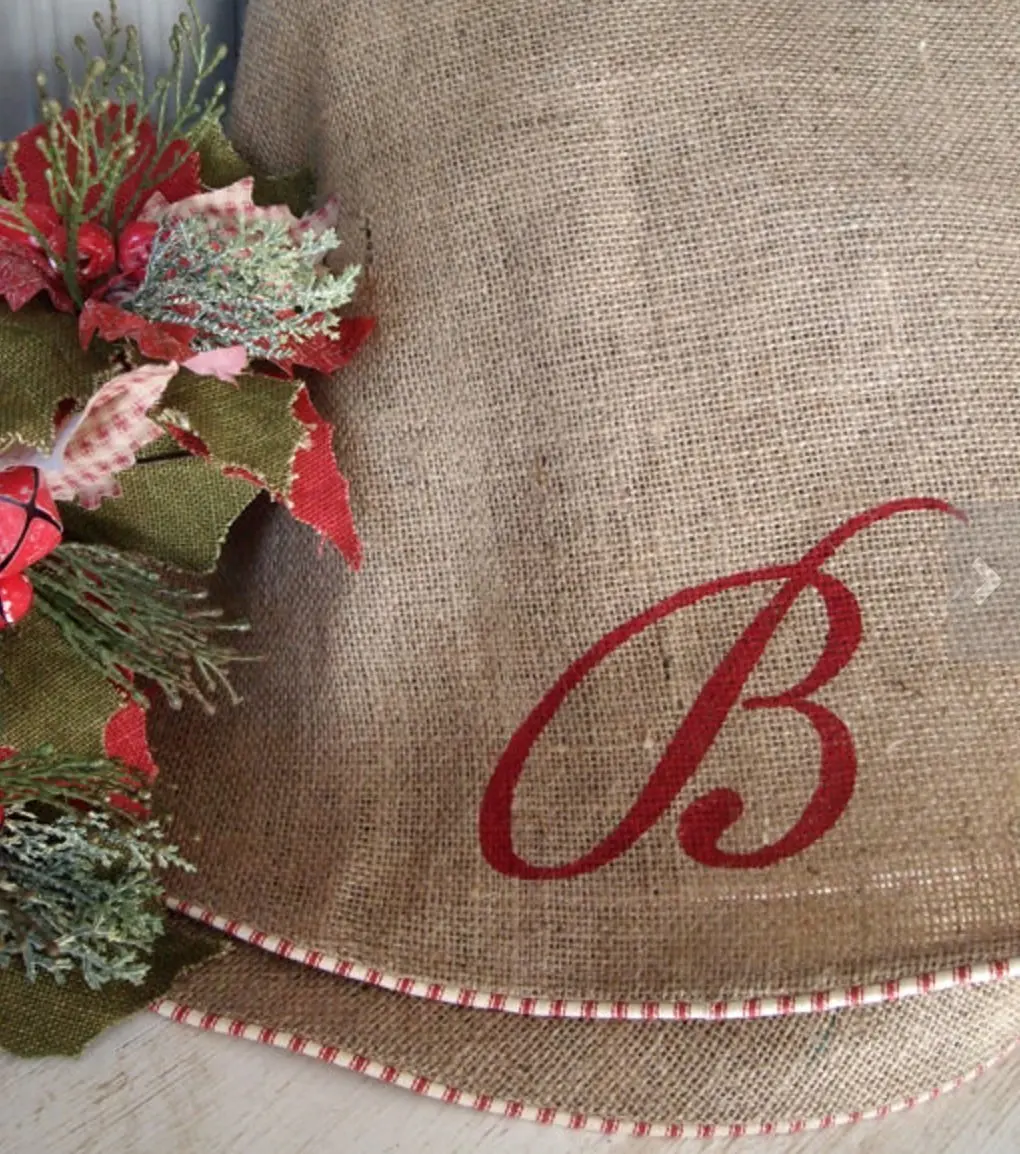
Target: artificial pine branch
point(130, 621)
point(254, 284)
point(57, 780)
point(81, 892)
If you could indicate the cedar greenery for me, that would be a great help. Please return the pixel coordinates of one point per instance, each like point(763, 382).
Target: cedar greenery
point(112, 83)
point(81, 893)
point(131, 621)
point(253, 284)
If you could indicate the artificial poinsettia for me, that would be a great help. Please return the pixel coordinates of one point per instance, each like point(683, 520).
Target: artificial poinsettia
point(40, 220)
point(33, 244)
point(169, 168)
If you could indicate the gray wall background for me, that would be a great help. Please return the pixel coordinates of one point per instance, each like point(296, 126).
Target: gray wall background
point(31, 31)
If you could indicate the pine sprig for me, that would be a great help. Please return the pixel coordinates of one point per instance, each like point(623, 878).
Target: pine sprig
point(57, 780)
point(130, 621)
point(253, 284)
point(82, 893)
point(105, 141)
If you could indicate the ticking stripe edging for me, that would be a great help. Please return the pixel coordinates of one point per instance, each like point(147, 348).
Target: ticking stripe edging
point(779, 1006)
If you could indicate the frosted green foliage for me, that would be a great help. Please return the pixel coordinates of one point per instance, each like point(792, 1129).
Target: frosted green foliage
point(255, 283)
point(81, 893)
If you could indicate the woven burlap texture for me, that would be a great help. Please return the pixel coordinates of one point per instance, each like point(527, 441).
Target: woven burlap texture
point(668, 292)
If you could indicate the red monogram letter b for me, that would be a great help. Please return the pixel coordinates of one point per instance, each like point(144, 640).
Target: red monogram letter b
point(704, 822)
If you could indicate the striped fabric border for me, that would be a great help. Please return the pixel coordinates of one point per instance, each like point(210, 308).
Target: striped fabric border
point(544, 1115)
point(820, 1001)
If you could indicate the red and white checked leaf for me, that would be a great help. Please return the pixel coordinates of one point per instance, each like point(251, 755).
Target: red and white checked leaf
point(111, 430)
point(238, 200)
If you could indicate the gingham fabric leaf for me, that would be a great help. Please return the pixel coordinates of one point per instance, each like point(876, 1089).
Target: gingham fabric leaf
point(239, 200)
point(113, 427)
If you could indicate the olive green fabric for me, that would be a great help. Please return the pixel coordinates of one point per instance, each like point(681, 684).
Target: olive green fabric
point(176, 510)
point(49, 694)
point(42, 364)
point(263, 442)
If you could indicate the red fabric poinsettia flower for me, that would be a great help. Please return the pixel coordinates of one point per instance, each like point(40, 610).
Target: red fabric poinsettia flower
point(25, 270)
point(177, 174)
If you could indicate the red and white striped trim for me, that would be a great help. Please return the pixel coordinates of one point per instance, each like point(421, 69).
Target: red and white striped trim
point(544, 1115)
point(774, 1006)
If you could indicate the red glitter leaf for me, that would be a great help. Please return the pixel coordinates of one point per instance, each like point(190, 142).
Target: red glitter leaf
point(327, 354)
point(160, 342)
point(24, 273)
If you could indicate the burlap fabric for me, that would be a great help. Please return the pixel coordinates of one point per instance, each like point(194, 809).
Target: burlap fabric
point(699, 322)
point(649, 1078)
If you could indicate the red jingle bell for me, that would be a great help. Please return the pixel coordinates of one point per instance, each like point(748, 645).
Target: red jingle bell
point(15, 598)
point(29, 529)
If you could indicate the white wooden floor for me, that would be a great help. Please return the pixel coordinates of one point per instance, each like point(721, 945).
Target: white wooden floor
point(152, 1087)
